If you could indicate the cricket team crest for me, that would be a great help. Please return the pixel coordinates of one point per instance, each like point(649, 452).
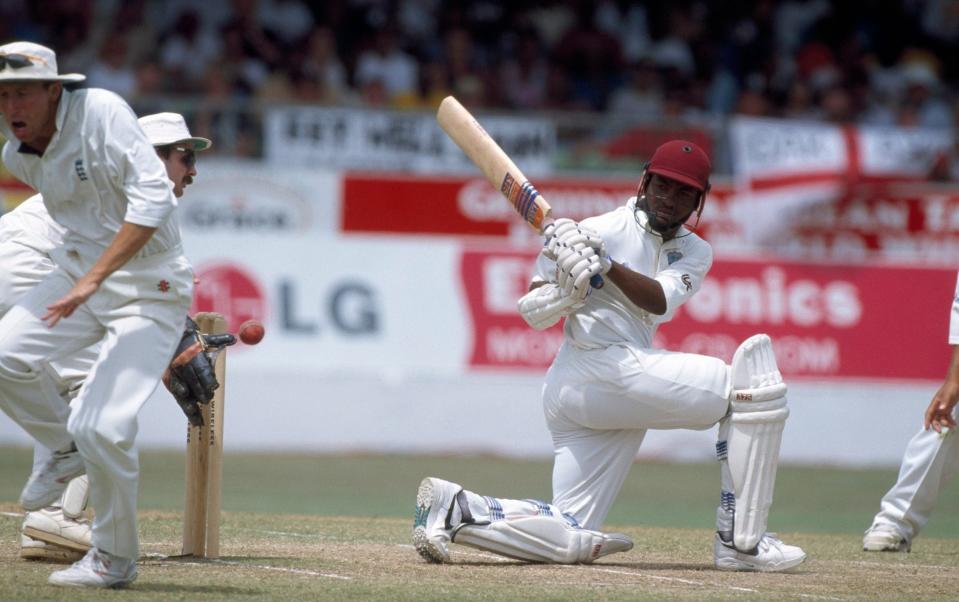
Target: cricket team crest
point(81, 171)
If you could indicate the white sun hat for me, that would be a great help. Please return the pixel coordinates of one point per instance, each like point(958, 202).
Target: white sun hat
point(170, 128)
point(26, 61)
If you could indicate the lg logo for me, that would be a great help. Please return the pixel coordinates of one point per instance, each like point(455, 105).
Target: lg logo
point(348, 307)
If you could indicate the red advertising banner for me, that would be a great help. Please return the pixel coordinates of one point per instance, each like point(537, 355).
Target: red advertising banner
point(411, 205)
point(826, 321)
point(397, 204)
point(917, 222)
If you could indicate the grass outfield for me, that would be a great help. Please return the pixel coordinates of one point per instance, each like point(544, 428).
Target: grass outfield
point(337, 527)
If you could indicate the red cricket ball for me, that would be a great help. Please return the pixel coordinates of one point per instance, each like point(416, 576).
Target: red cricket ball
point(251, 332)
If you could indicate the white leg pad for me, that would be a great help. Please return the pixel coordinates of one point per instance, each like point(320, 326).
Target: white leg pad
point(541, 539)
point(75, 497)
point(757, 416)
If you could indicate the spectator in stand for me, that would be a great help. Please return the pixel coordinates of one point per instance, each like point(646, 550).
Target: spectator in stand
point(921, 105)
point(374, 95)
point(436, 84)
point(130, 22)
point(559, 91)
point(592, 57)
point(551, 19)
point(524, 73)
point(836, 104)
point(672, 50)
point(464, 62)
point(287, 21)
point(492, 57)
point(642, 96)
point(241, 63)
point(629, 24)
point(188, 51)
point(752, 103)
point(792, 21)
point(150, 82)
point(323, 65)
point(111, 70)
point(386, 64)
point(800, 102)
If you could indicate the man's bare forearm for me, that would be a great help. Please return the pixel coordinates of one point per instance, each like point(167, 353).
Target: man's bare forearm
point(127, 243)
point(643, 291)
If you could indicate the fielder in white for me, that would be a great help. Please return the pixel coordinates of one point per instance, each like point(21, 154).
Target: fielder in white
point(120, 280)
point(608, 386)
point(929, 463)
point(61, 532)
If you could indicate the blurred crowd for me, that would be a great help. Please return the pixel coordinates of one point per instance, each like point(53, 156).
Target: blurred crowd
point(872, 61)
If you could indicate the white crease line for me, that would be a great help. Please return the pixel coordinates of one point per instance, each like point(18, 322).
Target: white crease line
point(819, 597)
point(900, 565)
point(460, 552)
point(662, 578)
point(281, 569)
point(12, 514)
point(288, 534)
point(266, 567)
point(595, 568)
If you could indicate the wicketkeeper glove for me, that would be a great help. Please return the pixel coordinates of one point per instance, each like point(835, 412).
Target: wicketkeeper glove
point(191, 378)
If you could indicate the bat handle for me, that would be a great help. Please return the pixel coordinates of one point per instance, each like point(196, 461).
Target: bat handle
point(596, 281)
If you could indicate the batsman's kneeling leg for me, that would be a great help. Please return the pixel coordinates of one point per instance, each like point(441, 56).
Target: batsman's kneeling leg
point(542, 539)
point(752, 432)
point(445, 512)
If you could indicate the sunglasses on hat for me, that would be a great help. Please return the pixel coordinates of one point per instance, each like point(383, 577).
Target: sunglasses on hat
point(15, 61)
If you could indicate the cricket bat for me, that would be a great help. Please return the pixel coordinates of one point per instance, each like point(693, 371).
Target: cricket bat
point(499, 169)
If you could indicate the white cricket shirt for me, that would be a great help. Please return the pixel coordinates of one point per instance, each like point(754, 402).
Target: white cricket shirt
point(954, 319)
point(30, 225)
point(98, 171)
point(609, 317)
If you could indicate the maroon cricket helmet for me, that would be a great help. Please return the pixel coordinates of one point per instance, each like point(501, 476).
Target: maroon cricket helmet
point(682, 161)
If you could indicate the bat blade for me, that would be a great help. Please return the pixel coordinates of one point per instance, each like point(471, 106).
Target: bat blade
point(500, 171)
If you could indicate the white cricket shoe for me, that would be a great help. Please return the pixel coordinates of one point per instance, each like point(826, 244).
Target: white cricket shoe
point(771, 556)
point(34, 549)
point(47, 483)
point(52, 526)
point(97, 569)
point(432, 524)
point(884, 537)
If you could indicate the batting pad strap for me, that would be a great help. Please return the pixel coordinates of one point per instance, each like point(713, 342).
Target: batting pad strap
point(742, 410)
point(772, 391)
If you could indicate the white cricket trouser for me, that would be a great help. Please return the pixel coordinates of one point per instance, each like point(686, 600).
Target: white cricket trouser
point(929, 463)
point(599, 405)
point(137, 317)
point(23, 268)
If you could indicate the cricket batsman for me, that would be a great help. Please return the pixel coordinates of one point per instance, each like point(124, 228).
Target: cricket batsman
point(608, 386)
